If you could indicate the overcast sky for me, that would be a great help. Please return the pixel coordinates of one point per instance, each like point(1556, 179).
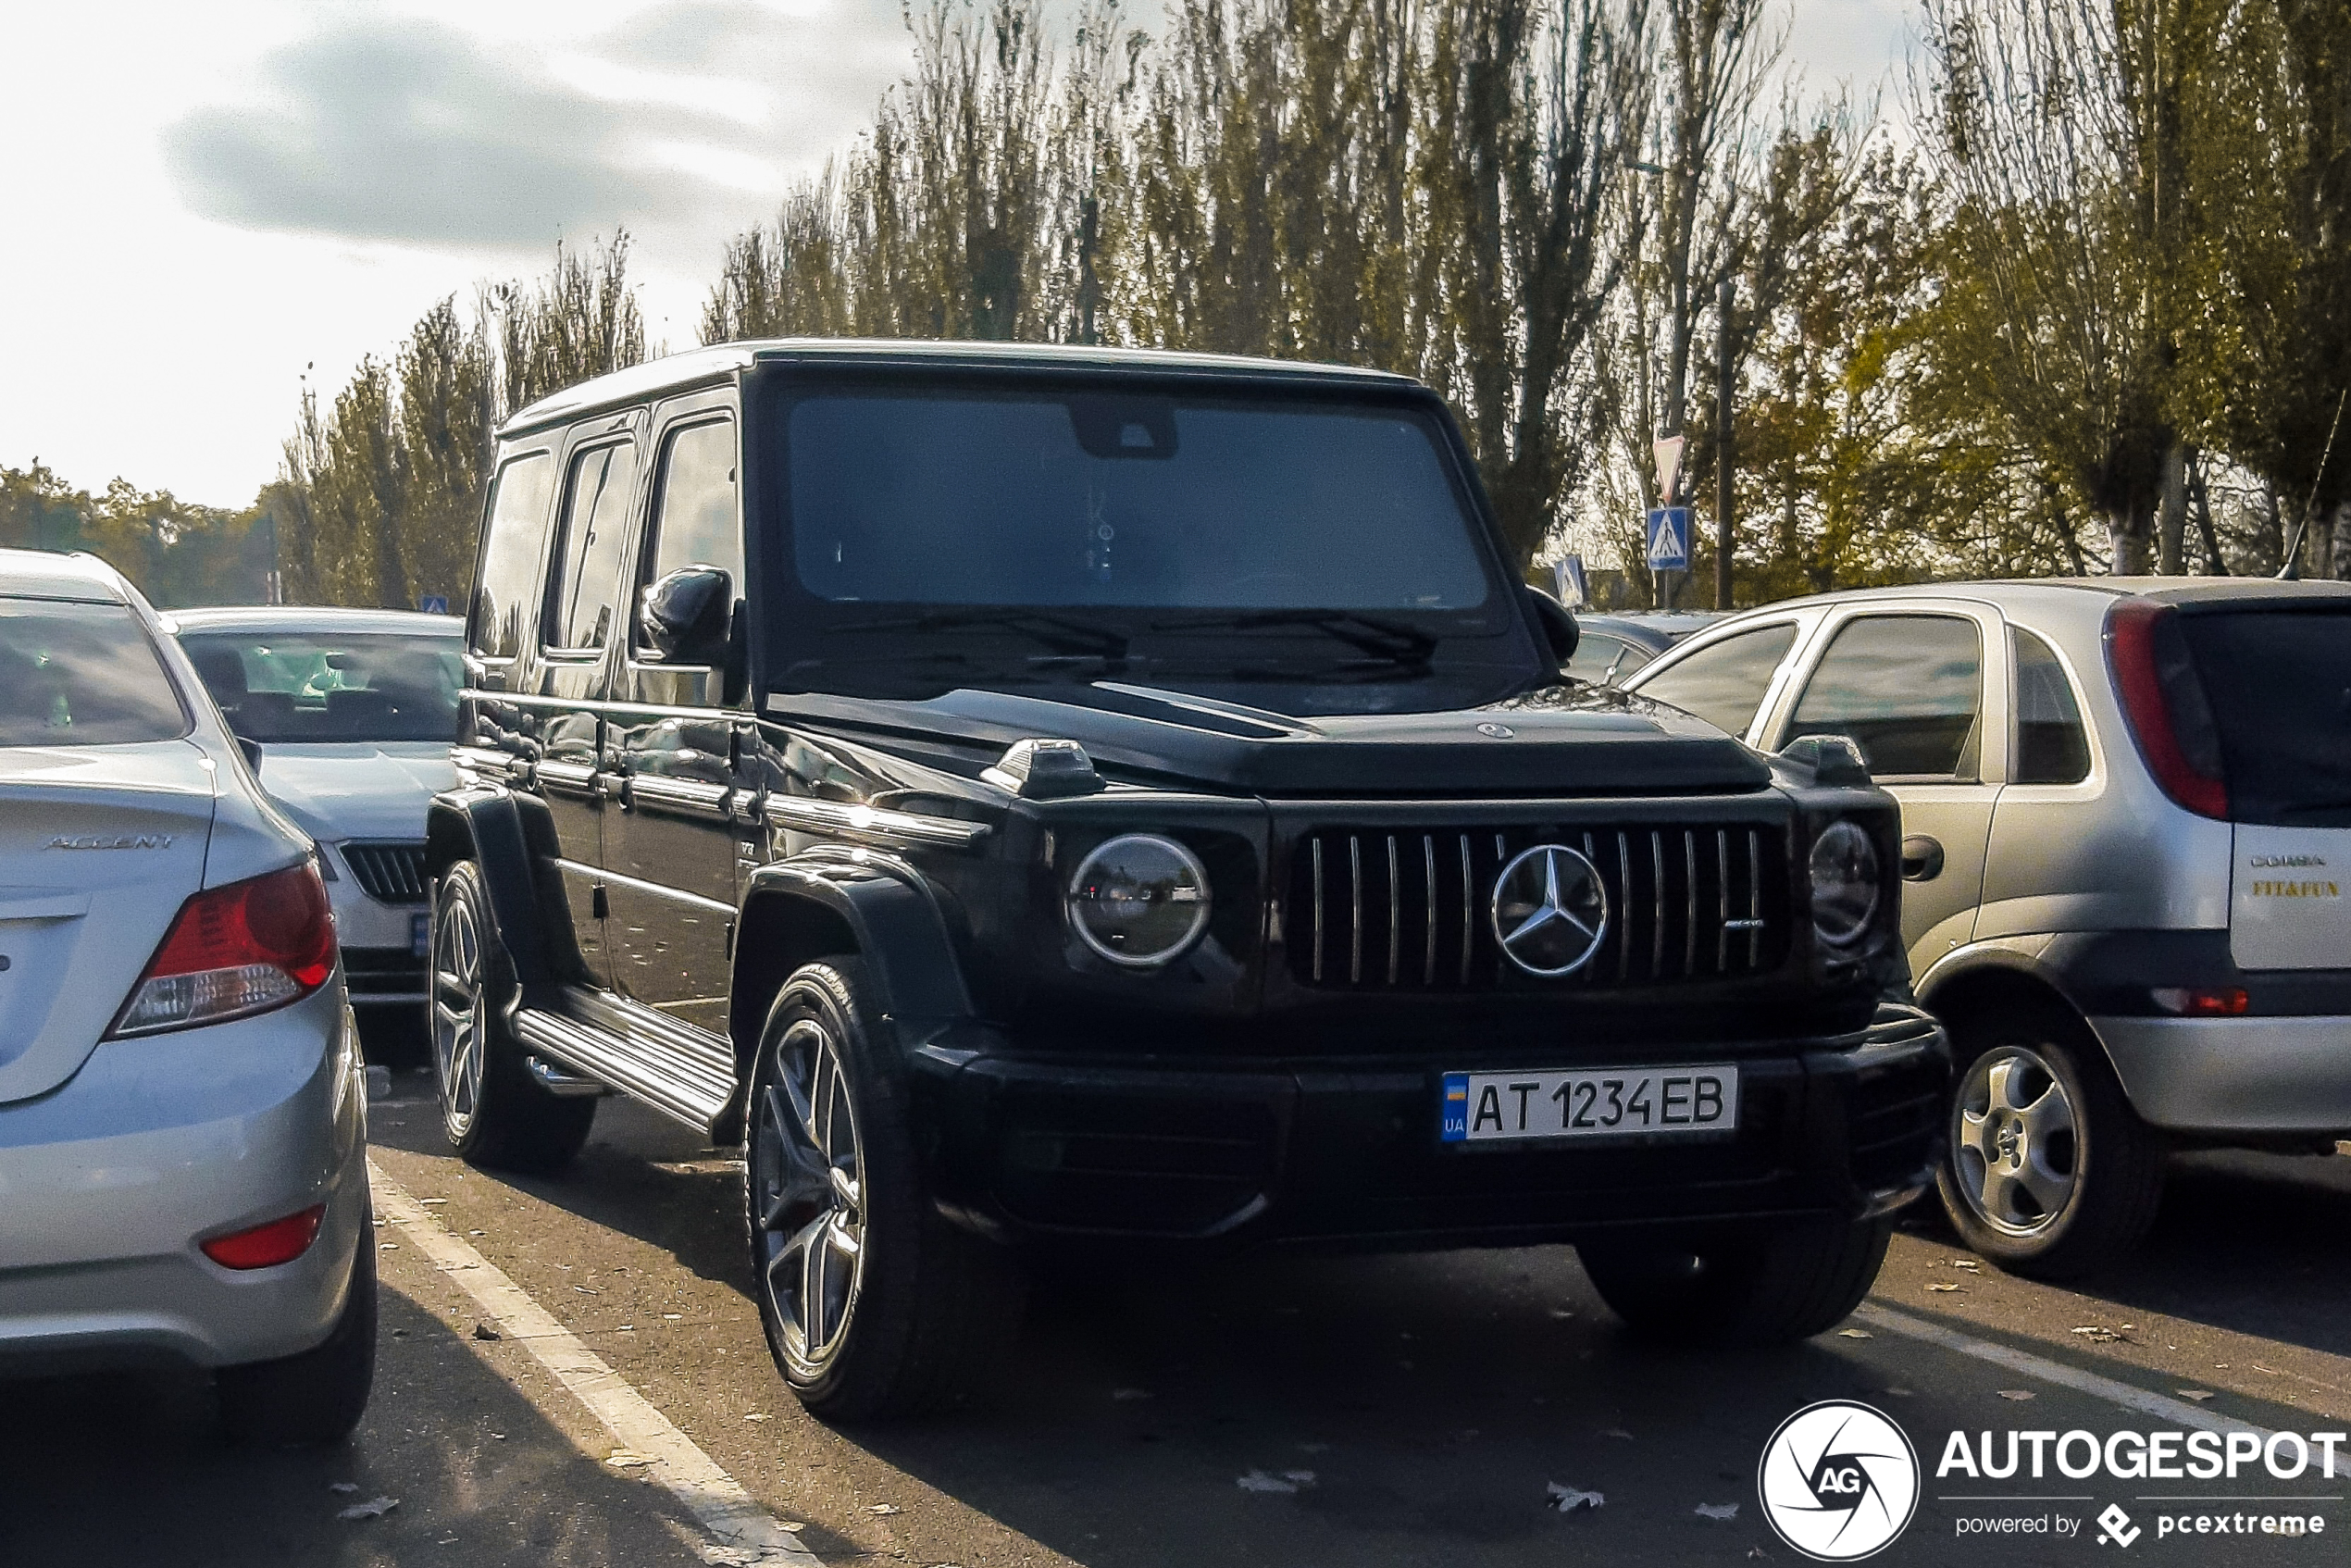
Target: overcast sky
point(204, 200)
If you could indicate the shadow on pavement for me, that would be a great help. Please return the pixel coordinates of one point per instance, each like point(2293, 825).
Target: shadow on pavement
point(132, 1469)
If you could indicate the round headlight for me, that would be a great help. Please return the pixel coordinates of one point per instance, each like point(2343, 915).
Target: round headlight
point(1140, 900)
point(1845, 882)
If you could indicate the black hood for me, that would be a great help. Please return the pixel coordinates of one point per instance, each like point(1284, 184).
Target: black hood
point(1569, 739)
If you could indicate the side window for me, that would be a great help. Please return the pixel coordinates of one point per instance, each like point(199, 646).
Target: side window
point(581, 592)
point(2051, 745)
point(694, 504)
point(1908, 690)
point(517, 540)
point(1596, 655)
point(1725, 684)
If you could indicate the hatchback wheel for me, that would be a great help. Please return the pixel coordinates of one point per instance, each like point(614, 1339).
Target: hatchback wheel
point(874, 1306)
point(2051, 1173)
point(493, 1112)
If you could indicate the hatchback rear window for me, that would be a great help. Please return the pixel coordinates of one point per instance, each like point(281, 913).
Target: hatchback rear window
point(2279, 685)
point(81, 675)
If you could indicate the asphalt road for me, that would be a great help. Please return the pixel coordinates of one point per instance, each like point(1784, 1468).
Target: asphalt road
point(1417, 1410)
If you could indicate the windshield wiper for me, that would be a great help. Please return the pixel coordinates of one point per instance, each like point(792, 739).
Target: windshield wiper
point(1390, 642)
point(1060, 635)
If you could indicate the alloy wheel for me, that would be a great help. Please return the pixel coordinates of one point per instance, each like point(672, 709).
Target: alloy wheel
point(458, 1023)
point(809, 1187)
point(2016, 1144)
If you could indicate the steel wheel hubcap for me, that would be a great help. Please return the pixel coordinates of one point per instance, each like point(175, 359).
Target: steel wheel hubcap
point(2015, 1144)
point(457, 1014)
point(808, 1186)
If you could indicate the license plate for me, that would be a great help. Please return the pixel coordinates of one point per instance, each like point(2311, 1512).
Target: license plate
point(420, 935)
point(1602, 1102)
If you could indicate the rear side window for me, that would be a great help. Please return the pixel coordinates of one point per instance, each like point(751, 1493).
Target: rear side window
point(1724, 682)
point(510, 557)
point(695, 510)
point(81, 675)
point(2278, 686)
point(1908, 690)
point(580, 594)
point(2051, 745)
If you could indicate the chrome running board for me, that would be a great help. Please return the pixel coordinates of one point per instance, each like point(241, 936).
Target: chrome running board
point(676, 1069)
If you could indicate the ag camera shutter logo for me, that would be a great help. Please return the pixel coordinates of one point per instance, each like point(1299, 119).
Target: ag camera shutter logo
point(1839, 1481)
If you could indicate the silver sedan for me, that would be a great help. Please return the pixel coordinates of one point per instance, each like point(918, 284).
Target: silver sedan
point(183, 1103)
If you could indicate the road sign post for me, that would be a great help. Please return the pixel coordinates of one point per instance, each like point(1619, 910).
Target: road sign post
point(1668, 539)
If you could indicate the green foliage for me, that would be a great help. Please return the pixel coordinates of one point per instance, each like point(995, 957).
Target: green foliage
point(177, 553)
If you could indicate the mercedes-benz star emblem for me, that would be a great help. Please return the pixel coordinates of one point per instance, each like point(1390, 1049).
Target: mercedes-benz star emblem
point(1551, 911)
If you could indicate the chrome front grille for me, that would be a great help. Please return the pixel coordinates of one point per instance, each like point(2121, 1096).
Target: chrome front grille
point(1379, 908)
point(391, 873)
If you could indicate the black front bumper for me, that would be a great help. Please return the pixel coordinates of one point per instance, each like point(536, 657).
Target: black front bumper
point(1343, 1153)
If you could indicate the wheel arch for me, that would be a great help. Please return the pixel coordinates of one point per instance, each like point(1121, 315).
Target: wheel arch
point(1970, 987)
point(799, 911)
point(487, 826)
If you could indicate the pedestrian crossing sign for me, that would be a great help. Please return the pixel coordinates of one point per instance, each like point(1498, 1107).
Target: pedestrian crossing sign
point(1669, 535)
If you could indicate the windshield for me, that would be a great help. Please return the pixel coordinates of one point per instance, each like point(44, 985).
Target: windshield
point(1095, 500)
point(1294, 548)
point(81, 675)
point(295, 687)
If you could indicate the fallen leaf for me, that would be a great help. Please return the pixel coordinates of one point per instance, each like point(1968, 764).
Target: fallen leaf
point(2016, 1393)
point(627, 1459)
point(477, 1233)
point(2097, 1334)
point(1942, 1288)
point(1567, 1499)
point(484, 1331)
point(1966, 1264)
point(885, 1509)
point(1855, 1334)
point(758, 1416)
point(1258, 1481)
point(374, 1508)
point(675, 1317)
point(2198, 1394)
point(432, 1199)
point(1718, 1510)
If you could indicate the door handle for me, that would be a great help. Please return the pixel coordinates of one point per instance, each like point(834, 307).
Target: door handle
point(1921, 858)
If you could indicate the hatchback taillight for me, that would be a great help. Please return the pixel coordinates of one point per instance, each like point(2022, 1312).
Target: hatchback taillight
point(2164, 703)
point(235, 951)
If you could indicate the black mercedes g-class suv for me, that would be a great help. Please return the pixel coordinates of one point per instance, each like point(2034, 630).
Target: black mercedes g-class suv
point(1054, 798)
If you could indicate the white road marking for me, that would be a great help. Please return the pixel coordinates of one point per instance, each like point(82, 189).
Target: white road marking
point(713, 1497)
point(2178, 1413)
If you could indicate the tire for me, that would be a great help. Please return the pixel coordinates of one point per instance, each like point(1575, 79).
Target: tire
point(492, 1112)
point(2049, 1173)
point(912, 1316)
point(317, 1397)
point(1785, 1285)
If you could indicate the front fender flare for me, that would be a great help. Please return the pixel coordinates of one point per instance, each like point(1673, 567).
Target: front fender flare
point(889, 914)
point(494, 828)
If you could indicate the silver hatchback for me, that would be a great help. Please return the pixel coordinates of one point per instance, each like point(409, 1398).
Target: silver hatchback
point(2127, 818)
point(182, 1104)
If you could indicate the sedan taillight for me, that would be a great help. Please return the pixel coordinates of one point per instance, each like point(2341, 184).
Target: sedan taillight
point(236, 950)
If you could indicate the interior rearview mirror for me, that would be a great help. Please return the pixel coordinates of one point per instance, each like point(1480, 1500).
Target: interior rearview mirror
point(1558, 623)
point(682, 618)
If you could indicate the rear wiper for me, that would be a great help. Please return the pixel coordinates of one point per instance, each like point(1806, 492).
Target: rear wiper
point(1391, 641)
point(1056, 632)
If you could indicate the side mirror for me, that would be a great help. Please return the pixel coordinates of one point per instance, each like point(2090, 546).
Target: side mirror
point(1558, 623)
point(682, 618)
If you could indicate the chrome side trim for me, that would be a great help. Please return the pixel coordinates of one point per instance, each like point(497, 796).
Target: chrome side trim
point(575, 777)
point(688, 796)
point(555, 1080)
point(873, 825)
point(482, 760)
